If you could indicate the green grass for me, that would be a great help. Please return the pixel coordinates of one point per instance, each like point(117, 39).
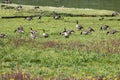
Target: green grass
point(78, 56)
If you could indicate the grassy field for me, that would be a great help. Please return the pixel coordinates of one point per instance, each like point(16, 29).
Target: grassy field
point(79, 56)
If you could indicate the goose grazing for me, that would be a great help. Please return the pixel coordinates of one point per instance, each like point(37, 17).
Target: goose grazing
point(70, 31)
point(29, 18)
point(102, 18)
point(115, 13)
point(104, 27)
point(79, 27)
point(88, 31)
point(2, 35)
point(33, 33)
point(65, 33)
point(112, 32)
point(85, 32)
point(62, 33)
point(19, 30)
point(91, 29)
point(36, 7)
point(19, 7)
point(39, 16)
point(56, 16)
point(45, 35)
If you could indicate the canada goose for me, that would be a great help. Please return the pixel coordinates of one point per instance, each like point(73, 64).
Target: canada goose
point(39, 16)
point(66, 33)
point(56, 16)
point(85, 32)
point(45, 35)
point(29, 18)
point(115, 13)
point(104, 27)
point(19, 7)
point(19, 30)
point(2, 35)
point(62, 33)
point(36, 7)
point(90, 29)
point(79, 27)
point(112, 32)
point(101, 18)
point(70, 31)
point(33, 33)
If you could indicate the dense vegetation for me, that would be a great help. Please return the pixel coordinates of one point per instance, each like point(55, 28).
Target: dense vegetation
point(79, 56)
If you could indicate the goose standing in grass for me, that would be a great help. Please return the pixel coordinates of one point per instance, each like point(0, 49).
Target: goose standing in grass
point(36, 7)
point(91, 29)
point(112, 32)
point(70, 31)
point(66, 33)
point(88, 31)
point(115, 13)
point(19, 30)
point(39, 16)
point(102, 18)
point(2, 35)
point(62, 33)
point(33, 33)
point(79, 27)
point(85, 32)
point(104, 27)
point(45, 35)
point(19, 7)
point(56, 16)
point(29, 18)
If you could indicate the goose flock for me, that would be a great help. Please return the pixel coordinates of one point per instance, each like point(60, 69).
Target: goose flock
point(65, 33)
